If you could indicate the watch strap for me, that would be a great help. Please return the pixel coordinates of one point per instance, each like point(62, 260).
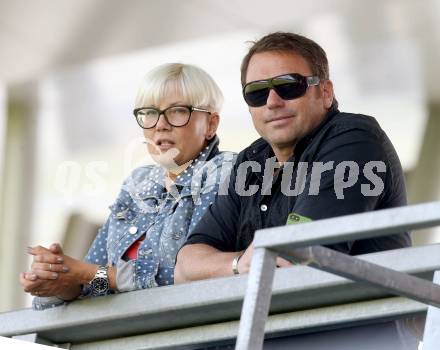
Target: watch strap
point(235, 264)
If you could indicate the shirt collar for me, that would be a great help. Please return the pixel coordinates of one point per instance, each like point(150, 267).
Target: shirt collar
point(260, 150)
point(152, 185)
point(184, 178)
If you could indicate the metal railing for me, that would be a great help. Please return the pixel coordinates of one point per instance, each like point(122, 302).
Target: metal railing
point(303, 244)
point(304, 300)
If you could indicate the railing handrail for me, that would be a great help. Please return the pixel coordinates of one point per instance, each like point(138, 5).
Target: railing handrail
point(304, 244)
point(205, 302)
point(350, 227)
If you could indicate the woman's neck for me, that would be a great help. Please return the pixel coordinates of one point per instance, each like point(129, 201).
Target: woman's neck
point(172, 174)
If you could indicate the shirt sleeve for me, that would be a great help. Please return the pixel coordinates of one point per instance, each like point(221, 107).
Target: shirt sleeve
point(97, 253)
point(358, 178)
point(43, 303)
point(218, 226)
point(125, 273)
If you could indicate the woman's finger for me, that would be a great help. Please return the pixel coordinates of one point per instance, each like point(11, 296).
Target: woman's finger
point(37, 250)
point(55, 248)
point(23, 280)
point(48, 258)
point(45, 275)
point(30, 276)
point(40, 293)
point(30, 286)
point(49, 267)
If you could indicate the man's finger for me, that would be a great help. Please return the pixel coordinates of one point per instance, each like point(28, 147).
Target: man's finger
point(283, 262)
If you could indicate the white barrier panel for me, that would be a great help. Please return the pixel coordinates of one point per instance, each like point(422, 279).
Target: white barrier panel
point(14, 344)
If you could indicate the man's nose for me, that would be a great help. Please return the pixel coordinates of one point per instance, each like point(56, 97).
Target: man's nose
point(274, 100)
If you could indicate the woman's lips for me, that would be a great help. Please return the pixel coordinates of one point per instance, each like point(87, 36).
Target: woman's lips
point(165, 145)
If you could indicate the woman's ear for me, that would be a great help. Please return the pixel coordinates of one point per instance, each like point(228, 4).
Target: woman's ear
point(213, 122)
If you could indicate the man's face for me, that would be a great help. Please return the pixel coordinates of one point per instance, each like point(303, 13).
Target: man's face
point(282, 123)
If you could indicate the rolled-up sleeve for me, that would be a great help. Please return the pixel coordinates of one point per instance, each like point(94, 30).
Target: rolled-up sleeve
point(125, 276)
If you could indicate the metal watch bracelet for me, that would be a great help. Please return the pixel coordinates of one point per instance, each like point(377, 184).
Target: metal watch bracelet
point(235, 264)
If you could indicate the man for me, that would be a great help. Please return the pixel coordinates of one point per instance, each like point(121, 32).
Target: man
point(312, 162)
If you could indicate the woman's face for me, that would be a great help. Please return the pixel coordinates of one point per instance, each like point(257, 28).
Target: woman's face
point(173, 147)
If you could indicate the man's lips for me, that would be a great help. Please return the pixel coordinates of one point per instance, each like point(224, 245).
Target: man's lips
point(279, 119)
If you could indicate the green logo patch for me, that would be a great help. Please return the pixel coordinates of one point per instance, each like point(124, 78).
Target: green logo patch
point(293, 218)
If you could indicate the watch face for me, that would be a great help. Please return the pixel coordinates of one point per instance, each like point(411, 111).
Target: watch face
point(100, 285)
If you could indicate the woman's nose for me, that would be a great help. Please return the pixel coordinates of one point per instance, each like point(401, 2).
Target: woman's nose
point(162, 123)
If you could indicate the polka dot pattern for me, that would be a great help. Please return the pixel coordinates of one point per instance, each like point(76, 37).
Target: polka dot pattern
point(144, 207)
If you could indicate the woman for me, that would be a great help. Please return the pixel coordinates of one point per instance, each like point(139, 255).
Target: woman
point(178, 108)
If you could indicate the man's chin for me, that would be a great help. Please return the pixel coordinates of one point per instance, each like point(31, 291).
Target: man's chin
point(281, 142)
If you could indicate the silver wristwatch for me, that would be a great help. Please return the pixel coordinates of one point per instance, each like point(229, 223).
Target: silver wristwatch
point(99, 284)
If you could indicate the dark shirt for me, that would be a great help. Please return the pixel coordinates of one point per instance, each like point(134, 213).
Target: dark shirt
point(350, 142)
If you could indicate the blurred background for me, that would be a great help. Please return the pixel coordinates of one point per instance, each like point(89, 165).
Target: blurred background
point(69, 72)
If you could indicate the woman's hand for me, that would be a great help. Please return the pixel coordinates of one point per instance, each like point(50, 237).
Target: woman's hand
point(47, 263)
point(55, 274)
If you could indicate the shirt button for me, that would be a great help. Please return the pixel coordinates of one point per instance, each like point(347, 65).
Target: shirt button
point(263, 207)
point(133, 230)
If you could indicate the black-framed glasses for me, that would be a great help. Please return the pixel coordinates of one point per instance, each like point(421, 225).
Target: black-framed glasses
point(287, 86)
point(147, 117)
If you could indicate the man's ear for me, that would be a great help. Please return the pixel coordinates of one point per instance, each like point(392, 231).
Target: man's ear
point(327, 93)
point(213, 122)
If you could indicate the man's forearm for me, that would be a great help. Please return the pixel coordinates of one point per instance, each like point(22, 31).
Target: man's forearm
point(201, 261)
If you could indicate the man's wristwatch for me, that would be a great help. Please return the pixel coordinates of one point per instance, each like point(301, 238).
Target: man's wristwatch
point(99, 284)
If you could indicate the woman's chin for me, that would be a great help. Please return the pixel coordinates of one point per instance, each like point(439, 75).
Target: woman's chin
point(170, 164)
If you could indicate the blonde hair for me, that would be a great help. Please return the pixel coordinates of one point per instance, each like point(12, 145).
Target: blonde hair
point(196, 86)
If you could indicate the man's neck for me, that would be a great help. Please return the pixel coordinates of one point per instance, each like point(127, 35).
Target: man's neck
point(283, 154)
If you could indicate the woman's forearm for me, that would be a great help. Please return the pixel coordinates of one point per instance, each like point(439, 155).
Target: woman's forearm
point(84, 274)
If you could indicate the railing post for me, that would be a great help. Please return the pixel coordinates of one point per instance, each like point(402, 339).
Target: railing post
point(431, 336)
point(257, 300)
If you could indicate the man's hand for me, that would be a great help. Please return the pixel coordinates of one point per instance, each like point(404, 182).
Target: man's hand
point(201, 261)
point(244, 263)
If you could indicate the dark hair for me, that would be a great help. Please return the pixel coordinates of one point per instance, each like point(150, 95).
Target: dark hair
point(289, 42)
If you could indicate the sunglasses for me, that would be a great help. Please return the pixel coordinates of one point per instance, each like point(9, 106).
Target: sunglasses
point(287, 86)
